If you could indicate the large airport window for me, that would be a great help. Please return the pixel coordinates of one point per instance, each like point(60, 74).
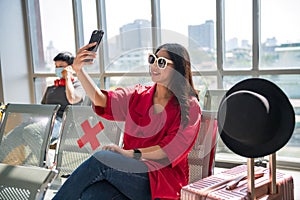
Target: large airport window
point(238, 35)
point(280, 42)
point(128, 35)
point(129, 38)
point(192, 24)
point(90, 23)
point(56, 33)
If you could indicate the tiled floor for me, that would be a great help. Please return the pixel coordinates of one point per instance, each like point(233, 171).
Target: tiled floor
point(53, 189)
point(49, 194)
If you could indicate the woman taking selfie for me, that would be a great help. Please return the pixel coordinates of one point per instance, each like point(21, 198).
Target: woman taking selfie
point(161, 124)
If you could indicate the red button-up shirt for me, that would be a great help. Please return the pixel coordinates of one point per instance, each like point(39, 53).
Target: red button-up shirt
point(144, 128)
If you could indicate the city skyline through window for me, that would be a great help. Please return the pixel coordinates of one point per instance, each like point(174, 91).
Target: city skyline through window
point(274, 16)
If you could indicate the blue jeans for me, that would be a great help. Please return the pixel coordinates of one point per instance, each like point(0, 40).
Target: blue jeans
point(107, 175)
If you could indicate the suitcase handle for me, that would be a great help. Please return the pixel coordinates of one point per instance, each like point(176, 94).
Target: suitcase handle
point(232, 184)
point(272, 175)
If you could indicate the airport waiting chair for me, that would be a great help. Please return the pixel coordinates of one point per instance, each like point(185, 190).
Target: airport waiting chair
point(25, 133)
point(202, 156)
point(24, 182)
point(213, 98)
point(79, 122)
point(70, 155)
point(24, 141)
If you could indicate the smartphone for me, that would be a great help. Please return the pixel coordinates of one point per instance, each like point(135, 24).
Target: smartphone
point(96, 36)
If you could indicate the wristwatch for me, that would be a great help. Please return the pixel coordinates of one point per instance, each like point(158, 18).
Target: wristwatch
point(137, 154)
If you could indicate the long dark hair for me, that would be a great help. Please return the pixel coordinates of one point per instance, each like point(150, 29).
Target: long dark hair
point(181, 84)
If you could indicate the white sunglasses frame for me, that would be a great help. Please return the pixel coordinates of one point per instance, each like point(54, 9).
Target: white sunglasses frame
point(167, 61)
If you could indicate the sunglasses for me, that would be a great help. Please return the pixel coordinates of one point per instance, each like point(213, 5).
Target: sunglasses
point(161, 61)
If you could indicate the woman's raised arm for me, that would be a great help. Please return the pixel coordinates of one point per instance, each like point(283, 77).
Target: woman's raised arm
point(91, 89)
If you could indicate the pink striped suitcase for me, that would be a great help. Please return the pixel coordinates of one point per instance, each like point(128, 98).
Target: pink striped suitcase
point(214, 187)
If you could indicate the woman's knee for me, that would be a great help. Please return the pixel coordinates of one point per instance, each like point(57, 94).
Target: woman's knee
point(102, 154)
point(99, 158)
point(119, 162)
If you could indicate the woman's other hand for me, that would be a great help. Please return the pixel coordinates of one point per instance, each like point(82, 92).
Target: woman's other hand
point(117, 149)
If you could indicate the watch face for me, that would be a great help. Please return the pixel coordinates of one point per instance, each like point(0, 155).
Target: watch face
point(137, 154)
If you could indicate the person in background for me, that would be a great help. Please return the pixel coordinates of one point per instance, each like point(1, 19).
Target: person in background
point(66, 90)
point(161, 125)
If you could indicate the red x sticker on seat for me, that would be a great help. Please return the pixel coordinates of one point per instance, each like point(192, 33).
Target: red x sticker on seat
point(90, 134)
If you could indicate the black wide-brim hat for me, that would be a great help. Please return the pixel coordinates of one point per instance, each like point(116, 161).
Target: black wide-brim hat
point(255, 118)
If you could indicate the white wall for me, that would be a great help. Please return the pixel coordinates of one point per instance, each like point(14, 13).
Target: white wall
point(13, 54)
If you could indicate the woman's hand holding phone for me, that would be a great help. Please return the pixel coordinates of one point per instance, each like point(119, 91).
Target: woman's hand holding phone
point(82, 56)
point(85, 56)
point(96, 36)
point(87, 53)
